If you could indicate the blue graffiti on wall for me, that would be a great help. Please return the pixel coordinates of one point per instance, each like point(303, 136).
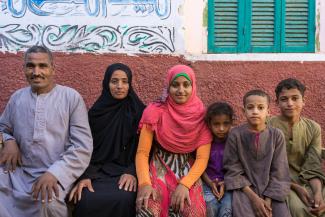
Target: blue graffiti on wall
point(75, 38)
point(18, 8)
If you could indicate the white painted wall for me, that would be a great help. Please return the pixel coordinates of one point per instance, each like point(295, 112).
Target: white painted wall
point(193, 25)
point(124, 26)
point(321, 11)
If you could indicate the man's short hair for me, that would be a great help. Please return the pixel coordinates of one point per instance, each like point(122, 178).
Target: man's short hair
point(39, 49)
point(290, 83)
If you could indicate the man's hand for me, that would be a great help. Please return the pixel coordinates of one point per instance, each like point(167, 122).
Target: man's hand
point(10, 156)
point(46, 184)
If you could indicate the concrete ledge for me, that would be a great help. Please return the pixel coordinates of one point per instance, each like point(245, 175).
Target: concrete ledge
point(297, 57)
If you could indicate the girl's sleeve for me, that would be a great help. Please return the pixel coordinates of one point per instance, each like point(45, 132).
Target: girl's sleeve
point(235, 177)
point(142, 156)
point(199, 166)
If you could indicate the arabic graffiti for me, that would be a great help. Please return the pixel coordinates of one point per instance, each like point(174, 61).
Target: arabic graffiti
point(89, 38)
point(95, 8)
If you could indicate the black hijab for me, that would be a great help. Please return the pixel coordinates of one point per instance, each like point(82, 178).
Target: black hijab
point(114, 125)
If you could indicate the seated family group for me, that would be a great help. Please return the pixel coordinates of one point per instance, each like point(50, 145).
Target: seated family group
point(123, 158)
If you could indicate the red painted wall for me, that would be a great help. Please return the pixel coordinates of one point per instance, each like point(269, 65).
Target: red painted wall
point(216, 80)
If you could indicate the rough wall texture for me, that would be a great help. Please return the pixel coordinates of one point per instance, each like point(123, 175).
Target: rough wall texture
point(216, 80)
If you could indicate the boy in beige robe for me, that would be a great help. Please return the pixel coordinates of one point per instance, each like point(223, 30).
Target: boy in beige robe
point(303, 142)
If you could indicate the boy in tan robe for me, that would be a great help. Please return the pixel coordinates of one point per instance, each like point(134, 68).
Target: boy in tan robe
point(303, 141)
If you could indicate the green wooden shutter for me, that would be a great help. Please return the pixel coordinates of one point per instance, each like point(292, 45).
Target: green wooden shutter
point(298, 30)
point(264, 22)
point(240, 26)
point(225, 23)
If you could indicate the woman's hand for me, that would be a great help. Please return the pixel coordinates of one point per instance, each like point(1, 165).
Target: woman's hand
point(143, 196)
point(179, 196)
point(75, 193)
point(128, 182)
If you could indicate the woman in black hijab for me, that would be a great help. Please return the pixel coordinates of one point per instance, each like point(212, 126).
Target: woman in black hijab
point(108, 186)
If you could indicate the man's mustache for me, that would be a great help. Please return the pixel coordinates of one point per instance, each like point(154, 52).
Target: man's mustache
point(36, 76)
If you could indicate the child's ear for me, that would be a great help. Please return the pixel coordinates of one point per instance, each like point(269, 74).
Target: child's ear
point(303, 101)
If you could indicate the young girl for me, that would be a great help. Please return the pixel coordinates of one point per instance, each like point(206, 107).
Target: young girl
point(174, 128)
point(219, 118)
point(256, 164)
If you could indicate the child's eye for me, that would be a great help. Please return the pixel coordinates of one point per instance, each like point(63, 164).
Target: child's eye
point(227, 124)
point(295, 98)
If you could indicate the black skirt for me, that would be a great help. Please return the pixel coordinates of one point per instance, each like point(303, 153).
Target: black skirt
point(107, 200)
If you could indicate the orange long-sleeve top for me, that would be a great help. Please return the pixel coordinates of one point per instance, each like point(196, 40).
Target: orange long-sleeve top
point(142, 160)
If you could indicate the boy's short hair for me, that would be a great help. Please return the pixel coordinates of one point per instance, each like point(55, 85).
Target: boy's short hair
point(256, 92)
point(290, 83)
point(219, 108)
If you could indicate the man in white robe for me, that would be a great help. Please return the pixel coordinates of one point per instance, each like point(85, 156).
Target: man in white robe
point(47, 142)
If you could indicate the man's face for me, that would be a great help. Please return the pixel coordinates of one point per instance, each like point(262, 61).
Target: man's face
point(290, 102)
point(39, 72)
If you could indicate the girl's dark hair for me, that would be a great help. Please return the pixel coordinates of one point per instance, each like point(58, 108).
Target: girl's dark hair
point(219, 108)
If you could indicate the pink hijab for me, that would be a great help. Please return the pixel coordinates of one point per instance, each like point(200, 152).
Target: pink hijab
point(179, 128)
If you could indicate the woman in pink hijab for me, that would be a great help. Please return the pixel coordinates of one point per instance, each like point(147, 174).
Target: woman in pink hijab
point(173, 150)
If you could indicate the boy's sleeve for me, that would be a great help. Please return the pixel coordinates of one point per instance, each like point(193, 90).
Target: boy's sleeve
point(279, 184)
point(312, 166)
point(235, 177)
